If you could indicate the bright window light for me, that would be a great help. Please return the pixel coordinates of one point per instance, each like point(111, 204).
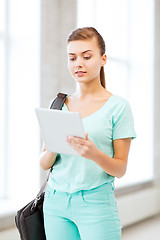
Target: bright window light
point(2, 15)
point(19, 95)
point(2, 120)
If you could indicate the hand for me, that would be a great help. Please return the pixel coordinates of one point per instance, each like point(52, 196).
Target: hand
point(85, 147)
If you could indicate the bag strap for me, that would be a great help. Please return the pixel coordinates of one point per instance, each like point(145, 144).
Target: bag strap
point(56, 104)
point(58, 101)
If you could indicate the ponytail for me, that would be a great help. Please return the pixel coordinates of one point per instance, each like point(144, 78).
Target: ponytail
point(102, 77)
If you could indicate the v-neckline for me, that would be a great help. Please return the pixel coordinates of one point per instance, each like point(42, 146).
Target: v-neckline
point(95, 111)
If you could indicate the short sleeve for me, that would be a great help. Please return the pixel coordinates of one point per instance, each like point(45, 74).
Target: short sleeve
point(123, 122)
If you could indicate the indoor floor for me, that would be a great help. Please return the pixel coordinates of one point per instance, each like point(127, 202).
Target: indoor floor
point(146, 230)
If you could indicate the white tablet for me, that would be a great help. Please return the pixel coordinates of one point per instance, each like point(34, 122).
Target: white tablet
point(56, 125)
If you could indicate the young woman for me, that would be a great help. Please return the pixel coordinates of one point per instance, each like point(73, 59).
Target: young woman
point(79, 200)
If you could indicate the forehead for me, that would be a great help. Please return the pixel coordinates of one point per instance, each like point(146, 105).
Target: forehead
point(79, 46)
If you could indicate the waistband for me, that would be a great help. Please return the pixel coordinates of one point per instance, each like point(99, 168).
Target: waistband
point(108, 186)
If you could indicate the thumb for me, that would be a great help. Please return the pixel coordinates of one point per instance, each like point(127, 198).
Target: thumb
point(86, 136)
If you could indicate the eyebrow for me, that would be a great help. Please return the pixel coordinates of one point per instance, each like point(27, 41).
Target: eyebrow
point(82, 52)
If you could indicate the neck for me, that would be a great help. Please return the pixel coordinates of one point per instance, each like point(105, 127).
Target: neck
point(86, 90)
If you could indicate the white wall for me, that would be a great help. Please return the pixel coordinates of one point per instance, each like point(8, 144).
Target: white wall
point(58, 18)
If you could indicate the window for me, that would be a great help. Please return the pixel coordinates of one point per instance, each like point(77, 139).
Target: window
point(128, 32)
point(19, 95)
point(3, 36)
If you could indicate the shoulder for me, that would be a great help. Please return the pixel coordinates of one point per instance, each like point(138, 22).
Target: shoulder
point(120, 102)
point(121, 109)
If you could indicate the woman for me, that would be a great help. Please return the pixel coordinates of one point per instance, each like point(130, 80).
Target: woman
point(79, 200)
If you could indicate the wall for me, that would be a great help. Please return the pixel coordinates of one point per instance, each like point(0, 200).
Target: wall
point(58, 18)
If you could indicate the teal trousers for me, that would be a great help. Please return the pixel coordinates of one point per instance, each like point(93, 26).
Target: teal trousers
point(86, 214)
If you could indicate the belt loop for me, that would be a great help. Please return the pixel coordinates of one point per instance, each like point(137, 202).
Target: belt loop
point(82, 195)
point(69, 201)
point(113, 186)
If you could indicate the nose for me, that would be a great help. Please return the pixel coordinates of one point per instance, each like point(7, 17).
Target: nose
point(79, 62)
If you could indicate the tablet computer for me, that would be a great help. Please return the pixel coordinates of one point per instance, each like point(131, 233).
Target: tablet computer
point(56, 125)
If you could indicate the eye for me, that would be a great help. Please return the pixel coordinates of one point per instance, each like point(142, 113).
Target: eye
point(72, 59)
point(87, 58)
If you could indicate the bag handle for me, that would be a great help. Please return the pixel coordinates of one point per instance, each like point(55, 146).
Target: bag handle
point(56, 104)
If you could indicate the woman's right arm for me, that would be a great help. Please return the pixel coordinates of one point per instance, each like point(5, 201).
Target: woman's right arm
point(47, 159)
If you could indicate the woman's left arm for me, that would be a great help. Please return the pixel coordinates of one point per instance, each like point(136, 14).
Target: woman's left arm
point(115, 166)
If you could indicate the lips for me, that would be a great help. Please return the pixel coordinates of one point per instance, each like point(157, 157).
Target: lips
point(80, 73)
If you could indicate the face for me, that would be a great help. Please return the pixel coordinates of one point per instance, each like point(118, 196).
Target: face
point(85, 60)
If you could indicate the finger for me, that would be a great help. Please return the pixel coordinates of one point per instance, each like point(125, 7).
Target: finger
point(80, 141)
point(76, 146)
point(81, 149)
point(77, 140)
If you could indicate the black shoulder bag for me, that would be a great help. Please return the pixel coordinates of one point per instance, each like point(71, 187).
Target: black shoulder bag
point(29, 219)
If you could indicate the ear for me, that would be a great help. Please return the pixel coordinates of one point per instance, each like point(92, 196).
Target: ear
point(104, 60)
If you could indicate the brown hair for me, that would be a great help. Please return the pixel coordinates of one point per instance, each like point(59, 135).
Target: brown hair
point(89, 33)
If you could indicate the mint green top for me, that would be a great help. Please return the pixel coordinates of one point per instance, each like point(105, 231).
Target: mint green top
point(114, 120)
